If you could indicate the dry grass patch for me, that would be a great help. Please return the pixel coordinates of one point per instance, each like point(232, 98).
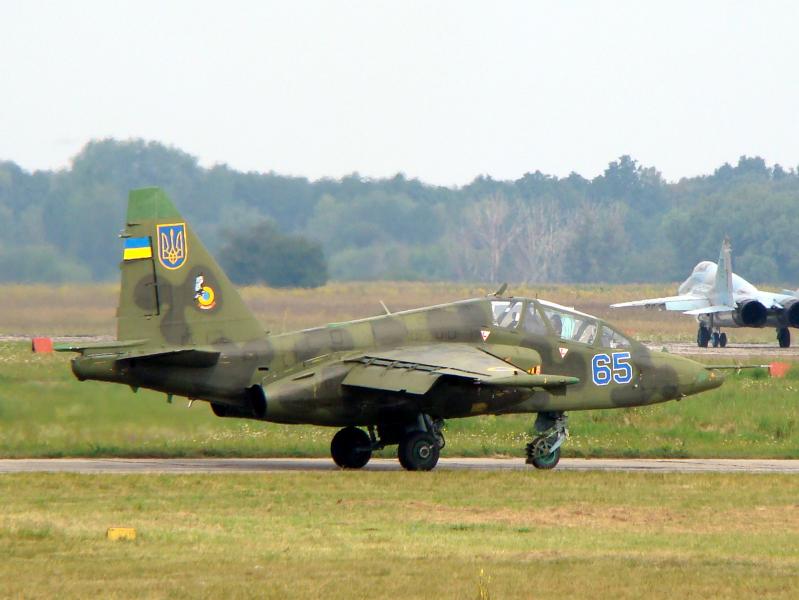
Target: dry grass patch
point(89, 309)
point(352, 535)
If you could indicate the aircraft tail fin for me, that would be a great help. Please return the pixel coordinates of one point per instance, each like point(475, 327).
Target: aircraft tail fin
point(722, 289)
point(173, 292)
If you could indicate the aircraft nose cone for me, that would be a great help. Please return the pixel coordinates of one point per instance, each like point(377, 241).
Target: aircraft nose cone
point(700, 379)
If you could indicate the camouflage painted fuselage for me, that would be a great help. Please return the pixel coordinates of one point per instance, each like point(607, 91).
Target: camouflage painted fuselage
point(183, 329)
point(298, 377)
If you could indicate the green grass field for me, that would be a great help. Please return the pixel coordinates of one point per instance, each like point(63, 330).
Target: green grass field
point(339, 534)
point(401, 535)
point(45, 411)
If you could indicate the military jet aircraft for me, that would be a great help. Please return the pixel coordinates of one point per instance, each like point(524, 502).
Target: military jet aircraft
point(718, 298)
point(183, 329)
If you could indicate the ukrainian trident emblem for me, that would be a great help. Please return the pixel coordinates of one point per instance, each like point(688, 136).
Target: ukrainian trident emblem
point(172, 246)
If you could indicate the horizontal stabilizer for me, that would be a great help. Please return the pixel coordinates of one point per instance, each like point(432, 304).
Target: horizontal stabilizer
point(189, 357)
point(126, 351)
point(110, 347)
point(709, 310)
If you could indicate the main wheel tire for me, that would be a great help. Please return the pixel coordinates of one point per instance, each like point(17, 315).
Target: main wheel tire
point(723, 340)
point(418, 451)
point(351, 448)
point(714, 339)
point(784, 337)
point(702, 336)
point(548, 461)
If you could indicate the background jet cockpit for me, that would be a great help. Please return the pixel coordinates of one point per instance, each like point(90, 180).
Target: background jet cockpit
point(539, 317)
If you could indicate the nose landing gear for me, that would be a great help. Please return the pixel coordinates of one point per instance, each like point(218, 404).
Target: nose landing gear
point(544, 451)
point(718, 339)
point(705, 336)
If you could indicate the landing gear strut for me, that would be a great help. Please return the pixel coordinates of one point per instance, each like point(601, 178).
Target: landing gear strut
point(544, 451)
point(784, 337)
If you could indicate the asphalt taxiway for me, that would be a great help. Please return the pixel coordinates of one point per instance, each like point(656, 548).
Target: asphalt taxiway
point(272, 465)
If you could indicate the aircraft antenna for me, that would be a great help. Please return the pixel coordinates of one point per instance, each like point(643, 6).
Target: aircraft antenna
point(502, 289)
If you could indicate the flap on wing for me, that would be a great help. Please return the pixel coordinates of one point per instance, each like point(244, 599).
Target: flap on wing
point(709, 310)
point(415, 369)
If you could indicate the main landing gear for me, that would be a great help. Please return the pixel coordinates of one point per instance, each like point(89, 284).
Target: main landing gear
point(351, 448)
point(719, 340)
point(544, 451)
point(418, 445)
point(704, 337)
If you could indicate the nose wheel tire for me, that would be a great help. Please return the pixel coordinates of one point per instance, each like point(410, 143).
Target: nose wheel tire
point(351, 448)
point(547, 461)
point(418, 451)
point(540, 453)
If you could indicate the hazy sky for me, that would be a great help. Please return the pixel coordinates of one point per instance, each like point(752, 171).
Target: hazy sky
point(443, 91)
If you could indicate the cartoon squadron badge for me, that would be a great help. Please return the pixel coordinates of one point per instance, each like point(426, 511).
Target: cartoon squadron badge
point(173, 248)
point(203, 294)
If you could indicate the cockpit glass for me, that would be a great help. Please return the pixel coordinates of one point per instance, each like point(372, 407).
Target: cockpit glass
point(613, 339)
point(568, 326)
point(702, 266)
point(533, 322)
point(507, 313)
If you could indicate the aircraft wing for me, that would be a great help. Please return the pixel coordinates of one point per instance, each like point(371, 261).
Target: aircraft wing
point(415, 369)
point(679, 303)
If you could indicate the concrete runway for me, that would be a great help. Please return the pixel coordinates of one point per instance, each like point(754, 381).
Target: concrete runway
point(740, 352)
point(284, 465)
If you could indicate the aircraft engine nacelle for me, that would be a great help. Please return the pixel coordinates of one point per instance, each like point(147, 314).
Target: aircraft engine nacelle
point(750, 313)
point(252, 406)
point(790, 313)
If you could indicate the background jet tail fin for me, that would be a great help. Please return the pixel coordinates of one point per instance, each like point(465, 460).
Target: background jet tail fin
point(173, 292)
point(722, 289)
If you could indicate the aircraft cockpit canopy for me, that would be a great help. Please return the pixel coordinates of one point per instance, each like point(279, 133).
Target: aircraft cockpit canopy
point(546, 318)
point(703, 266)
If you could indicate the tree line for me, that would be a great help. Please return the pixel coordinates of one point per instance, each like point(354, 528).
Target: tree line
point(626, 225)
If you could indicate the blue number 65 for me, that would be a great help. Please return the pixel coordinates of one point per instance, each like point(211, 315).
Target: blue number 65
point(616, 368)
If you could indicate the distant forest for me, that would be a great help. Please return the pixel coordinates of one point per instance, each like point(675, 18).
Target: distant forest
point(626, 225)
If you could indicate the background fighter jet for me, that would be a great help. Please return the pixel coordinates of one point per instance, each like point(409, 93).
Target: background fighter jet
point(183, 329)
point(720, 298)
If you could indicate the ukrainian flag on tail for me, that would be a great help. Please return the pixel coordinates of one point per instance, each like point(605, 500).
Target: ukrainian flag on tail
point(137, 247)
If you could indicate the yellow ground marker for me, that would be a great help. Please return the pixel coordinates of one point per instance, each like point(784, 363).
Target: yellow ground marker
point(121, 533)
